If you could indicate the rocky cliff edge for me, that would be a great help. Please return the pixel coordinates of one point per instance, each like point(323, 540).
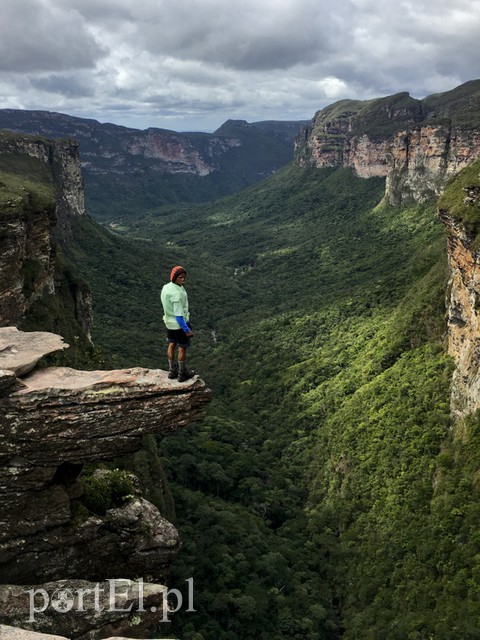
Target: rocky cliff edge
point(459, 210)
point(417, 145)
point(52, 421)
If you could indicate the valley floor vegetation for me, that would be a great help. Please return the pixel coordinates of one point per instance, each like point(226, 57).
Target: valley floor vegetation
point(325, 495)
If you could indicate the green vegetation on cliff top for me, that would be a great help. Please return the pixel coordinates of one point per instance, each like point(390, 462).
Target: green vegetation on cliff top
point(461, 106)
point(461, 198)
point(385, 116)
point(25, 183)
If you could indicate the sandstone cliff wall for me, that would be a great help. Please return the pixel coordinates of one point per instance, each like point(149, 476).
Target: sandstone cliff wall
point(416, 162)
point(463, 304)
point(415, 144)
point(33, 219)
point(177, 153)
point(63, 160)
point(27, 263)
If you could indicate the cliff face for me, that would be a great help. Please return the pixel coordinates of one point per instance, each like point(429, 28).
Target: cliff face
point(61, 158)
point(41, 191)
point(177, 154)
point(459, 210)
point(415, 144)
point(26, 254)
point(463, 323)
point(52, 421)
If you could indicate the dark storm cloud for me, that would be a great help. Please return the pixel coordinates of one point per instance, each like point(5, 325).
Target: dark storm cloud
point(197, 60)
point(39, 36)
point(274, 34)
point(68, 85)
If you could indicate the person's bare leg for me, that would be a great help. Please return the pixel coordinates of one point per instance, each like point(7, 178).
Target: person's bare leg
point(172, 367)
point(183, 372)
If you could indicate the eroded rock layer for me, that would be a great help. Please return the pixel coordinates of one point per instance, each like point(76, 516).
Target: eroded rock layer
point(52, 421)
point(415, 144)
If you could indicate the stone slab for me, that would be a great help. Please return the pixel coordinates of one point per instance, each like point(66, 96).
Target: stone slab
point(20, 351)
point(14, 633)
point(67, 379)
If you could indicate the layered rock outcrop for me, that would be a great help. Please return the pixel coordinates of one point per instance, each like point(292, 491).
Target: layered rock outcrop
point(463, 323)
point(13, 633)
point(83, 610)
point(52, 421)
point(175, 153)
point(463, 301)
point(26, 253)
point(62, 159)
point(40, 195)
point(415, 144)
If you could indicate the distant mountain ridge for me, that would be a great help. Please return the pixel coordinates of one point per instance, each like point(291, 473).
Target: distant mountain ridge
point(416, 144)
point(127, 170)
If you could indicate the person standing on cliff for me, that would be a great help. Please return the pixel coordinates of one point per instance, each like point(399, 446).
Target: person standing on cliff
point(176, 318)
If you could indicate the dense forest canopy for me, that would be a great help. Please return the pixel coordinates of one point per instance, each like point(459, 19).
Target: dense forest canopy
point(325, 494)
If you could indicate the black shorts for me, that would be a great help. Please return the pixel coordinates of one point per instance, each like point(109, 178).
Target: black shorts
point(178, 337)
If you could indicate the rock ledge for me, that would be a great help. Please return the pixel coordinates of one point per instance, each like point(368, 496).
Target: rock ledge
point(52, 420)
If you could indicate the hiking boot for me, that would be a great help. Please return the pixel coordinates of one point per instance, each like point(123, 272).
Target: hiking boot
point(172, 374)
point(185, 375)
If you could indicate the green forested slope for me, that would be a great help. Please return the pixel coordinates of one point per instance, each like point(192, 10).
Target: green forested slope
point(324, 495)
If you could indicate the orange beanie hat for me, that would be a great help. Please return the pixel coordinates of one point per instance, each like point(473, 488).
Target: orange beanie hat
point(175, 272)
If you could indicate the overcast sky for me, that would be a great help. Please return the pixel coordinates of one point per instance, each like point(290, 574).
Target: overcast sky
point(189, 65)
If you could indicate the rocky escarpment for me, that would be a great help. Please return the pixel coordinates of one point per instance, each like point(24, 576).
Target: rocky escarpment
point(176, 153)
point(41, 191)
point(27, 254)
point(52, 421)
point(127, 170)
point(104, 605)
point(62, 160)
point(115, 149)
point(459, 210)
point(415, 144)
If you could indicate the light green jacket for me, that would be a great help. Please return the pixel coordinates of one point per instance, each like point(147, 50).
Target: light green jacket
point(175, 303)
